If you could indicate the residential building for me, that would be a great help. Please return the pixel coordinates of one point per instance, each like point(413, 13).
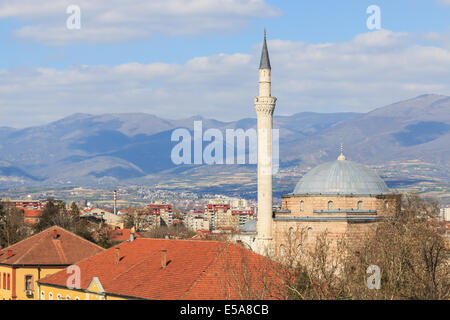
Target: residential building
point(164, 211)
point(26, 262)
point(196, 222)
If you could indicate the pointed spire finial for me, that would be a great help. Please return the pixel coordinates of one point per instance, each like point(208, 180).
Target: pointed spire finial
point(265, 61)
point(341, 156)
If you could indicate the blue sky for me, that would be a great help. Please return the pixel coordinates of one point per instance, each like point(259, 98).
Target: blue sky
point(218, 40)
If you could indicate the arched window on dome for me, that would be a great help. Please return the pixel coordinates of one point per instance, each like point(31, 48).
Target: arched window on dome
point(309, 233)
point(291, 233)
point(360, 205)
point(330, 205)
point(302, 205)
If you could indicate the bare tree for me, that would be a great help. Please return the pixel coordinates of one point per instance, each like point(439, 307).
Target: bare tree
point(12, 226)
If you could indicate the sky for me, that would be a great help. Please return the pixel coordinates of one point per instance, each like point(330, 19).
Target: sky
point(180, 58)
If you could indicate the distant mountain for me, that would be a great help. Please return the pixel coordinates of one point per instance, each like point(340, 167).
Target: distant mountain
point(418, 128)
point(111, 148)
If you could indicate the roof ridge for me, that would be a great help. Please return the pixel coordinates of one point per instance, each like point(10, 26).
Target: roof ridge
point(76, 236)
point(41, 236)
point(225, 245)
point(31, 247)
point(26, 239)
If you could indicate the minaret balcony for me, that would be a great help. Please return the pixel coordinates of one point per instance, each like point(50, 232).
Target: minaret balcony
point(265, 100)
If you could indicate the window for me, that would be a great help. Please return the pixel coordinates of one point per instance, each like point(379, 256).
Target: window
point(28, 282)
point(360, 203)
point(9, 282)
point(4, 280)
point(50, 296)
point(291, 233)
point(309, 232)
point(330, 205)
point(77, 298)
point(42, 295)
point(59, 297)
point(386, 205)
point(67, 297)
point(302, 205)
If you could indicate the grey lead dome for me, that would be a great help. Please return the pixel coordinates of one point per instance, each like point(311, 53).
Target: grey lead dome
point(341, 177)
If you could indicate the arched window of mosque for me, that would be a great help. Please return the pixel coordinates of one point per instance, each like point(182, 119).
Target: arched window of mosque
point(282, 250)
point(302, 205)
point(360, 205)
point(309, 232)
point(330, 205)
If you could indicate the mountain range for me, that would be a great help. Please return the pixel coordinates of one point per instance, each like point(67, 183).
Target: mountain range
point(128, 148)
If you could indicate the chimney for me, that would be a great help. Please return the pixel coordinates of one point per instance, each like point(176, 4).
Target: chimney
point(163, 258)
point(115, 201)
point(9, 253)
point(116, 261)
point(55, 234)
point(132, 231)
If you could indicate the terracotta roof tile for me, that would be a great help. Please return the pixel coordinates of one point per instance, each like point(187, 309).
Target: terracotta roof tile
point(43, 249)
point(194, 269)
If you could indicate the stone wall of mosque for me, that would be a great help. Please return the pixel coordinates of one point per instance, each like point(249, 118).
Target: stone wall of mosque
point(305, 217)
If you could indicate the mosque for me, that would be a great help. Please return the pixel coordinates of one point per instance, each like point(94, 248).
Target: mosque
point(339, 197)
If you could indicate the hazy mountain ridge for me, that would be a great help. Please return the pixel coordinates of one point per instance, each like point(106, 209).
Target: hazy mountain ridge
point(122, 147)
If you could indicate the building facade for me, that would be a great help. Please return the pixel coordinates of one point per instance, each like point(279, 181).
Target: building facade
point(28, 261)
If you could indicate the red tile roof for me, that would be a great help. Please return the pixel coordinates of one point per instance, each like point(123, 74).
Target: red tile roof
point(32, 213)
point(43, 249)
point(121, 234)
point(206, 270)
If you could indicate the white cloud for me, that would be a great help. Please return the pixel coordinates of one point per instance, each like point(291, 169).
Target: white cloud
point(105, 21)
point(444, 2)
point(371, 70)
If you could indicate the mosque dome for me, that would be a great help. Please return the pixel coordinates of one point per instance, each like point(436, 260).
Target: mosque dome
point(341, 177)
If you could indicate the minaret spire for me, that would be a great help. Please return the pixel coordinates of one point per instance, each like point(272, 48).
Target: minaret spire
point(265, 61)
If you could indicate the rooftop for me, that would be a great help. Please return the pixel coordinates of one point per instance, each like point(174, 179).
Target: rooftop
point(192, 269)
point(53, 246)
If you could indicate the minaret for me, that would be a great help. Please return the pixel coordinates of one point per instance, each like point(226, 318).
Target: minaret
point(264, 105)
